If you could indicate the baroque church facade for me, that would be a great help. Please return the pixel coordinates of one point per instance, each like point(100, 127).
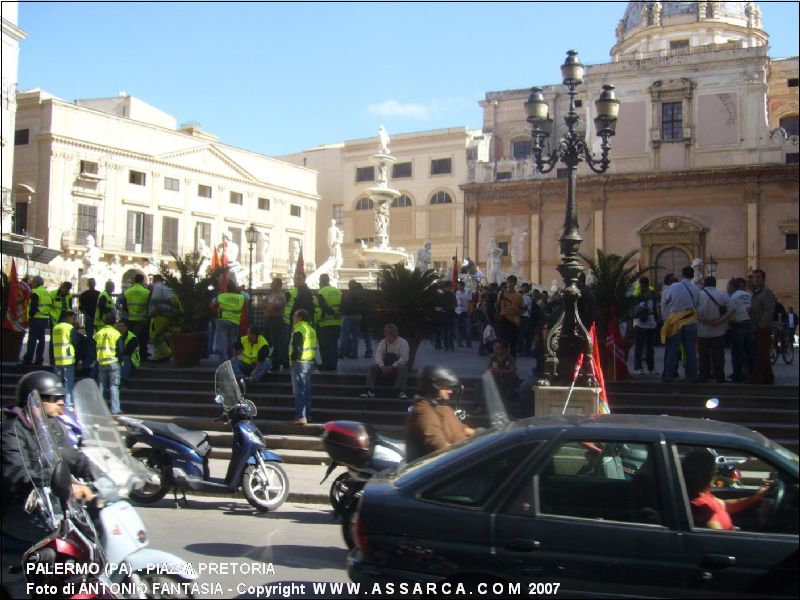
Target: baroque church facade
point(703, 164)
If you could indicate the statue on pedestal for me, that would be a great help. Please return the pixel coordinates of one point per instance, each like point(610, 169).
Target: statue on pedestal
point(294, 255)
point(697, 265)
point(424, 257)
point(335, 241)
point(493, 263)
point(383, 141)
point(382, 224)
point(230, 249)
point(205, 255)
point(91, 259)
point(266, 259)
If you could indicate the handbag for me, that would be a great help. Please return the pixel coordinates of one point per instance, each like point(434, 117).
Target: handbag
point(489, 334)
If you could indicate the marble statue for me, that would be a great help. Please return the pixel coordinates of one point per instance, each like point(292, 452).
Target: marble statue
point(382, 179)
point(697, 265)
point(424, 257)
point(493, 263)
point(230, 249)
point(266, 258)
point(655, 13)
point(335, 241)
point(205, 255)
point(383, 141)
point(382, 224)
point(516, 252)
point(91, 257)
point(294, 255)
point(618, 31)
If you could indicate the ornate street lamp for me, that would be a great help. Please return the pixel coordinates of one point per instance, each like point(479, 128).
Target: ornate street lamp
point(251, 235)
point(712, 266)
point(27, 250)
point(569, 337)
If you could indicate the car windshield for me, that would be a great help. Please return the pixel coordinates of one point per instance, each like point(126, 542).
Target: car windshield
point(784, 452)
point(412, 471)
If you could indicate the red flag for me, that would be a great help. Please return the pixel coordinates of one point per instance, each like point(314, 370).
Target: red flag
point(16, 317)
point(215, 259)
point(615, 345)
point(245, 322)
point(605, 408)
point(224, 258)
point(454, 279)
point(300, 268)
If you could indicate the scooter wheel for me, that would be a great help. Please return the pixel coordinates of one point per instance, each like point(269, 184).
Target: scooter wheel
point(153, 461)
point(348, 520)
point(265, 494)
point(338, 489)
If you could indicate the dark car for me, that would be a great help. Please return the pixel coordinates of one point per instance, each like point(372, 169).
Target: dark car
point(597, 505)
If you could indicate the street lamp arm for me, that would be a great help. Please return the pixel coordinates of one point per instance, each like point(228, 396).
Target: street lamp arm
point(600, 165)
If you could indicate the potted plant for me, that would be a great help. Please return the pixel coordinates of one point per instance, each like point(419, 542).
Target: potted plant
point(193, 292)
point(408, 299)
point(11, 341)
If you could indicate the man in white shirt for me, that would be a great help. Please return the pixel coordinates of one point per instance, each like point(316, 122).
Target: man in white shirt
point(743, 355)
point(463, 321)
point(712, 325)
point(681, 301)
point(391, 361)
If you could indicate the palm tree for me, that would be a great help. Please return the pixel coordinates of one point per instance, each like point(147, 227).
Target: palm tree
point(613, 278)
point(409, 299)
point(193, 290)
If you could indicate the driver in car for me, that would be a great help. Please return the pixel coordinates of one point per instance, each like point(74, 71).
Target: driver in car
point(699, 467)
point(432, 424)
point(19, 456)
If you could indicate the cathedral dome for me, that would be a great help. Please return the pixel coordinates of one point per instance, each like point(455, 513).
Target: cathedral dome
point(652, 26)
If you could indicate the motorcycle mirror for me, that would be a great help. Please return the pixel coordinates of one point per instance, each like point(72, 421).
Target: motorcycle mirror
point(712, 403)
point(243, 386)
point(61, 483)
point(32, 502)
point(218, 399)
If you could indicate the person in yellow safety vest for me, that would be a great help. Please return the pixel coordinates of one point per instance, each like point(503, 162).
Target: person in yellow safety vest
point(302, 350)
point(127, 352)
point(39, 319)
point(61, 302)
point(230, 304)
point(300, 296)
point(105, 340)
point(134, 301)
point(254, 362)
point(330, 322)
point(66, 342)
point(105, 303)
point(162, 309)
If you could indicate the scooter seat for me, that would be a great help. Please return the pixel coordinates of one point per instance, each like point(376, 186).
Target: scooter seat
point(196, 440)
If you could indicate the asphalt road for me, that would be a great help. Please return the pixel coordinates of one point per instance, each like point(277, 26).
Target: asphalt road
point(283, 551)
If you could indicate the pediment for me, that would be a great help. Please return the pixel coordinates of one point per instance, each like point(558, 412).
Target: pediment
point(208, 158)
point(674, 224)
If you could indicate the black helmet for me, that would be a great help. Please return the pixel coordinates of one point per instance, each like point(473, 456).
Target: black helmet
point(44, 382)
point(433, 378)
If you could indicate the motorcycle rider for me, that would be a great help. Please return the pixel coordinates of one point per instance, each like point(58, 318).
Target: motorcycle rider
point(432, 424)
point(19, 470)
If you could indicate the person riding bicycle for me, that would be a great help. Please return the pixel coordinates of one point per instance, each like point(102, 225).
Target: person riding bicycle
point(432, 424)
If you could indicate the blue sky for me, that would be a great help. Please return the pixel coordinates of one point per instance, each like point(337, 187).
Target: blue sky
point(278, 78)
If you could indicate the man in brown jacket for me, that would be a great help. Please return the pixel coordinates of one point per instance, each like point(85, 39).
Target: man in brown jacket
point(432, 424)
point(510, 305)
point(762, 305)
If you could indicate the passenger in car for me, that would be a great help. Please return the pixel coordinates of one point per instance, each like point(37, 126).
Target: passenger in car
point(699, 467)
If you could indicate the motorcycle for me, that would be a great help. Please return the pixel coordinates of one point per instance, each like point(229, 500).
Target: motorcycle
point(178, 458)
point(116, 474)
point(70, 562)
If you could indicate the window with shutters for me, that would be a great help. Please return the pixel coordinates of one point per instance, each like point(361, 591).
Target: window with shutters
point(86, 223)
point(89, 167)
point(169, 235)
point(204, 191)
point(172, 184)
point(671, 121)
point(365, 174)
point(295, 210)
point(263, 204)
point(521, 149)
point(139, 236)
point(401, 170)
point(202, 231)
point(237, 198)
point(136, 177)
point(441, 166)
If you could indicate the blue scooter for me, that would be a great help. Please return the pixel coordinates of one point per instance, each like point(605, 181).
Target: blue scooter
point(179, 458)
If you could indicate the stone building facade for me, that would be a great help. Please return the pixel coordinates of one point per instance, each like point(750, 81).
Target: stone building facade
point(123, 172)
point(704, 161)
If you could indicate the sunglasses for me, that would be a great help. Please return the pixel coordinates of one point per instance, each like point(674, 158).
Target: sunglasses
point(52, 399)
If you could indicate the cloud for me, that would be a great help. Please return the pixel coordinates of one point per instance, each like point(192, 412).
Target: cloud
point(393, 108)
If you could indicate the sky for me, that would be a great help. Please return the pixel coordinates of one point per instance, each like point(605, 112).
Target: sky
point(277, 78)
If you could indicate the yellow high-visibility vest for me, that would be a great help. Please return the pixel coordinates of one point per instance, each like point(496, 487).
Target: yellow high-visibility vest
point(333, 298)
point(45, 303)
point(63, 350)
point(59, 305)
point(136, 298)
point(309, 341)
point(106, 341)
point(230, 307)
point(250, 351)
point(98, 316)
point(136, 358)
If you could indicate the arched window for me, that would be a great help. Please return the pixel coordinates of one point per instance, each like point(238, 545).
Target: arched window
point(401, 202)
point(790, 124)
point(441, 198)
point(364, 204)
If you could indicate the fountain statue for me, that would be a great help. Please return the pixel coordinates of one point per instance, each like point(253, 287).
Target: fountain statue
point(493, 263)
point(424, 258)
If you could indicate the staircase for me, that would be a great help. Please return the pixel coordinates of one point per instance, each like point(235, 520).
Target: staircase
point(185, 397)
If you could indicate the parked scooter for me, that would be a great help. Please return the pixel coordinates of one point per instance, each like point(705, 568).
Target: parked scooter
point(70, 562)
point(178, 458)
point(123, 534)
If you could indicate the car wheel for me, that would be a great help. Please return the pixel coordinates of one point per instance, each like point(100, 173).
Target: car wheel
point(349, 515)
point(159, 467)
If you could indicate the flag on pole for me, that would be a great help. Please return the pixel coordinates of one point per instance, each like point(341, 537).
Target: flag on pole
point(300, 268)
point(454, 278)
point(215, 262)
point(615, 345)
point(223, 260)
point(16, 317)
point(578, 365)
point(605, 408)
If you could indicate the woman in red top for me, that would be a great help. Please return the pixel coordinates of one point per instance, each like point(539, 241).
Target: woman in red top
point(699, 468)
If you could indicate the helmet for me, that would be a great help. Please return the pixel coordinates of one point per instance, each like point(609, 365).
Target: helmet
point(432, 379)
point(44, 382)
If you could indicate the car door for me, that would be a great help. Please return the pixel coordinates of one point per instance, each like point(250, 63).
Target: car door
point(593, 516)
point(760, 557)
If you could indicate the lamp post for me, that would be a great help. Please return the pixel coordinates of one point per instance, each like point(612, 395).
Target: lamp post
point(27, 250)
point(712, 266)
point(569, 337)
point(251, 234)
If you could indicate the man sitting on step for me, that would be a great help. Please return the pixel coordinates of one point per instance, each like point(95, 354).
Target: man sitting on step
point(391, 362)
point(255, 356)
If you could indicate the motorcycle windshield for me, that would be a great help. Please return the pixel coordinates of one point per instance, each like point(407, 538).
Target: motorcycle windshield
point(495, 409)
point(225, 387)
point(40, 461)
point(102, 443)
